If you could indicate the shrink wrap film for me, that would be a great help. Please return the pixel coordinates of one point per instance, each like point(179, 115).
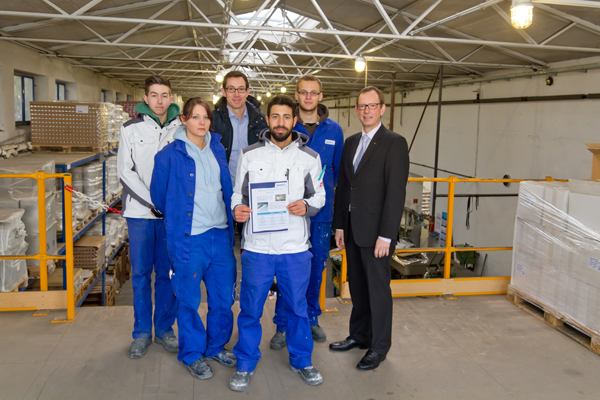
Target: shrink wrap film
point(556, 257)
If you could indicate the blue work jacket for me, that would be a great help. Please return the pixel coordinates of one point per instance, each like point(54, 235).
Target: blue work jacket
point(172, 190)
point(328, 141)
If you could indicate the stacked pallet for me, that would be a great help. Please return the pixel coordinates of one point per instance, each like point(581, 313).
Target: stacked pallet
point(556, 255)
point(89, 252)
point(110, 292)
point(70, 127)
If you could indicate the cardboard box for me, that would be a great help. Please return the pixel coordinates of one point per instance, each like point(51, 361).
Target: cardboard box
point(89, 252)
point(577, 300)
point(595, 149)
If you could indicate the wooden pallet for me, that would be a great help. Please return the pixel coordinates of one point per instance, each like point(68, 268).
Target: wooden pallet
point(95, 299)
point(86, 285)
point(83, 223)
point(69, 149)
point(22, 283)
point(556, 320)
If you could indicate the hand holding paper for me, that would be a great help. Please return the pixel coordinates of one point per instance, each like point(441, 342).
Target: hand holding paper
point(297, 208)
point(242, 213)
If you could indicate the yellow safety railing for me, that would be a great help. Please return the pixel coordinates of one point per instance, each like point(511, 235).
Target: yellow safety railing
point(45, 299)
point(446, 285)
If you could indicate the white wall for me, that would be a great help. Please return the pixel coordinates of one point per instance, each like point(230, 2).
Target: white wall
point(526, 140)
point(47, 71)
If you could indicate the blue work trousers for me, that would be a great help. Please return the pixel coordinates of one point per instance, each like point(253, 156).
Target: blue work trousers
point(147, 250)
point(211, 260)
point(292, 271)
point(320, 232)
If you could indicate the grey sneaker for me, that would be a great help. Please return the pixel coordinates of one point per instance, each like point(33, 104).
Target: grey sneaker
point(318, 334)
point(225, 358)
point(278, 340)
point(169, 342)
point(200, 369)
point(240, 381)
point(138, 347)
point(310, 375)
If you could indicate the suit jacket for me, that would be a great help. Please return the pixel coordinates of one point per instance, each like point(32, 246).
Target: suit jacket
point(376, 191)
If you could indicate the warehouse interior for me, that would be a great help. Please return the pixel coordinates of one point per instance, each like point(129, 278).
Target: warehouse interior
point(486, 98)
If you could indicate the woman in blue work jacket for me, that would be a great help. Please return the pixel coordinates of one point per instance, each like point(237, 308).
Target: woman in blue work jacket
point(191, 187)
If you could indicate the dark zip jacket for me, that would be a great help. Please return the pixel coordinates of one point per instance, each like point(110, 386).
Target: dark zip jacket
point(222, 124)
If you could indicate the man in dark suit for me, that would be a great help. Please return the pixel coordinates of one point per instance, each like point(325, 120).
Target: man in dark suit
point(369, 202)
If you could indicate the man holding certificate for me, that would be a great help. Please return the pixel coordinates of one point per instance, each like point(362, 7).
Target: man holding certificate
point(278, 187)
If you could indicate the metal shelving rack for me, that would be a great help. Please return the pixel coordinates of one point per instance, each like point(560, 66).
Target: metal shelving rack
point(64, 162)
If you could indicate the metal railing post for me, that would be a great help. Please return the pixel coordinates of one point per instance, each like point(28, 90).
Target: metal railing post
point(70, 264)
point(449, 222)
point(43, 260)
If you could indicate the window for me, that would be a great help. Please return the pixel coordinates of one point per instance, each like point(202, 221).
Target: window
point(23, 95)
point(275, 19)
point(61, 91)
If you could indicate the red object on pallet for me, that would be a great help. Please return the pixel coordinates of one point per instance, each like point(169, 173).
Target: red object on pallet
point(129, 107)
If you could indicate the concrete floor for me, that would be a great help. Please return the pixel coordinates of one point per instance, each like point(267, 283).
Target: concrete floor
point(479, 347)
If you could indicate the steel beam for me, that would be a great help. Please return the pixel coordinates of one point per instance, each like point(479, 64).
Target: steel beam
point(455, 16)
point(420, 17)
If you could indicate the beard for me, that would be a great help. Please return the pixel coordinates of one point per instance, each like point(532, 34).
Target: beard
point(280, 136)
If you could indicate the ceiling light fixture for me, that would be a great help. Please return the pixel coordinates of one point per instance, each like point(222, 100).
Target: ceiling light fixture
point(268, 93)
point(215, 98)
point(283, 89)
point(259, 97)
point(219, 77)
point(360, 63)
point(521, 13)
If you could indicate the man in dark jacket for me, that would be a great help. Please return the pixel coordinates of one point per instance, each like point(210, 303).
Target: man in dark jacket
point(237, 118)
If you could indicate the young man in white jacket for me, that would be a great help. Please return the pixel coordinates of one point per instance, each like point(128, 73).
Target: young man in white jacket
point(141, 138)
point(281, 155)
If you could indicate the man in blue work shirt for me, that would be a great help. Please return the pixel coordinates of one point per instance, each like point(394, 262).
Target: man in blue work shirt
point(237, 118)
point(327, 139)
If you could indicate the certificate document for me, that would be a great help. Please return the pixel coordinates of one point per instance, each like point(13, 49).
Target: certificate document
point(268, 201)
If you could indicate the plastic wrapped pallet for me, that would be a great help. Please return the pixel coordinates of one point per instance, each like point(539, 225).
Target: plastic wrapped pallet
point(31, 216)
point(120, 224)
point(12, 242)
point(113, 185)
point(25, 164)
point(34, 246)
point(78, 126)
point(556, 256)
point(80, 211)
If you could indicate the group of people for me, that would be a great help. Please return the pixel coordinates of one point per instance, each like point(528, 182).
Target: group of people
point(189, 177)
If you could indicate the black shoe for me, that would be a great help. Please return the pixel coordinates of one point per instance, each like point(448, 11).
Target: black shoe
point(371, 360)
point(345, 345)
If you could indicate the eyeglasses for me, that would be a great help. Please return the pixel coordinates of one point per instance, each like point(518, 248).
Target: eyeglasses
point(304, 93)
point(372, 106)
point(231, 89)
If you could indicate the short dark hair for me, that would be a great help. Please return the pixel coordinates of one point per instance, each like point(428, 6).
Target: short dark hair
point(282, 100)
point(372, 89)
point(156, 80)
point(309, 78)
point(235, 74)
point(188, 108)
